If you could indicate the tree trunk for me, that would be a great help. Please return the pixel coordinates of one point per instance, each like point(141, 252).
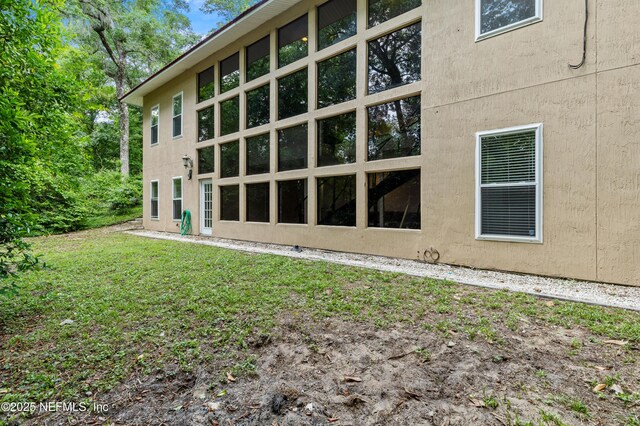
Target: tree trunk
point(124, 124)
point(124, 139)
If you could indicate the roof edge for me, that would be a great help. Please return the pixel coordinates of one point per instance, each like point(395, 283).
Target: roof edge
point(194, 48)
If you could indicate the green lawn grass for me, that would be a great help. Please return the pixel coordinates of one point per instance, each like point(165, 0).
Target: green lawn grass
point(139, 304)
point(108, 217)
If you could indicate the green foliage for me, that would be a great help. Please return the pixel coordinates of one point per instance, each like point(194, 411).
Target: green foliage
point(228, 9)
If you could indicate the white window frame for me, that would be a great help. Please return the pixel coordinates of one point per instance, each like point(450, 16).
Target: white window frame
point(155, 107)
point(538, 17)
point(157, 181)
point(173, 196)
point(538, 127)
point(174, 115)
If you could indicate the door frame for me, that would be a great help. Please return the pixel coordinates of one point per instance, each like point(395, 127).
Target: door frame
point(203, 230)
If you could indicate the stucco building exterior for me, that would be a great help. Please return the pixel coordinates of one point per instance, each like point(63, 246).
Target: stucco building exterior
point(403, 127)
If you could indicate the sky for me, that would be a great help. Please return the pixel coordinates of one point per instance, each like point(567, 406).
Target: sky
point(200, 22)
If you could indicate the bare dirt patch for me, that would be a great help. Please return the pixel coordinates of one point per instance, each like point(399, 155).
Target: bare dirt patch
point(319, 372)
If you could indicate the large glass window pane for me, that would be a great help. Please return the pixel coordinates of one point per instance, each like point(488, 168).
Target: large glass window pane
point(230, 116)
point(292, 201)
point(337, 201)
point(230, 202)
point(230, 159)
point(257, 202)
point(293, 41)
point(258, 107)
point(155, 122)
point(206, 84)
point(496, 14)
point(206, 160)
point(206, 124)
point(292, 148)
point(258, 59)
point(177, 115)
point(394, 199)
point(383, 10)
point(336, 22)
point(394, 129)
point(230, 73)
point(258, 154)
point(337, 140)
point(292, 94)
point(154, 200)
point(337, 79)
point(394, 60)
point(177, 198)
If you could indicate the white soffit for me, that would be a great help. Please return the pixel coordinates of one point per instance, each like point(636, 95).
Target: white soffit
point(244, 24)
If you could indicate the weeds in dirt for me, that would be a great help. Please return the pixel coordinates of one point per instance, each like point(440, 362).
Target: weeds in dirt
point(551, 418)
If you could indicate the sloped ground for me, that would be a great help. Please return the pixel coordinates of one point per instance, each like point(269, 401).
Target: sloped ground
point(175, 335)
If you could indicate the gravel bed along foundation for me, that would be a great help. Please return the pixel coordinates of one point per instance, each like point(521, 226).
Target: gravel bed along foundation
point(564, 289)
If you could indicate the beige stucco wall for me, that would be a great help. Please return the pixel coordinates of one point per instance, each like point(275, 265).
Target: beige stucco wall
point(591, 139)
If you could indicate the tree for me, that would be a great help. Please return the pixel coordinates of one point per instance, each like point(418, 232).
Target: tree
point(38, 142)
point(227, 9)
point(131, 39)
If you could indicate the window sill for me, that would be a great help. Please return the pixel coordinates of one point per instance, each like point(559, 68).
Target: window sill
point(507, 239)
point(508, 28)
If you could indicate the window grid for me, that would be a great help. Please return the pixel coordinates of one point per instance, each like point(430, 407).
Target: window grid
point(176, 196)
point(486, 182)
point(177, 108)
point(314, 56)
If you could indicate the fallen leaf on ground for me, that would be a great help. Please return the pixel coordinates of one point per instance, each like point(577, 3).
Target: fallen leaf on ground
point(352, 379)
point(617, 389)
point(616, 342)
point(599, 387)
point(332, 420)
point(230, 378)
point(477, 402)
point(550, 303)
point(412, 394)
point(223, 392)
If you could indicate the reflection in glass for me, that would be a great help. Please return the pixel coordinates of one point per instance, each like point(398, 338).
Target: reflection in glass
point(292, 94)
point(230, 116)
point(292, 148)
point(206, 124)
point(394, 60)
point(206, 84)
point(258, 107)
point(230, 202)
point(337, 140)
point(230, 73)
point(257, 202)
point(337, 79)
point(177, 115)
point(206, 160)
point(258, 154)
point(258, 59)
point(394, 129)
point(336, 22)
point(230, 159)
point(383, 10)
point(292, 201)
point(496, 14)
point(394, 199)
point(337, 201)
point(155, 121)
point(293, 41)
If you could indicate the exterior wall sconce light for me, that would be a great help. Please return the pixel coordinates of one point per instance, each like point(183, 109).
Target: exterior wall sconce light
point(188, 164)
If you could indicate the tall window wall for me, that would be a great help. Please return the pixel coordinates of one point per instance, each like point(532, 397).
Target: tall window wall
point(318, 122)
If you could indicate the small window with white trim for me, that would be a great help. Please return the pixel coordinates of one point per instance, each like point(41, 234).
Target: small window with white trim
point(154, 196)
point(509, 184)
point(177, 198)
point(177, 115)
point(155, 123)
point(498, 16)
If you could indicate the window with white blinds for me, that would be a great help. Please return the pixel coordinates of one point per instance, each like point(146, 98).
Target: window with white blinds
point(509, 178)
